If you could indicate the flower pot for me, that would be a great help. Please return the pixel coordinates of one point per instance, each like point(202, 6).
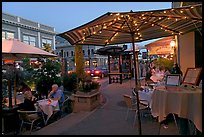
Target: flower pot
point(86, 101)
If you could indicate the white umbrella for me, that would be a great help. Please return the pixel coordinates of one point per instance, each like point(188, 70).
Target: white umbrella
point(16, 50)
point(13, 49)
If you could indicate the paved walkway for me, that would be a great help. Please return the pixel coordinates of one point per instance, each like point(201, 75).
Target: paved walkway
point(108, 119)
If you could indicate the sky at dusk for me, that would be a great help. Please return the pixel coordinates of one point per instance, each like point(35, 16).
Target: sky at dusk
point(64, 16)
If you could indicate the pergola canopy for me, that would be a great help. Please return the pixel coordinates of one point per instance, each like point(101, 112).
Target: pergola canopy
point(116, 28)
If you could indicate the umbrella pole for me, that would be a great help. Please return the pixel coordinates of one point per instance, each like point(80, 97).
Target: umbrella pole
point(10, 93)
point(136, 86)
point(15, 90)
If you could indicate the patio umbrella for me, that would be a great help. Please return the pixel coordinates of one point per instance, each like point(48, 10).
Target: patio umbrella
point(131, 27)
point(13, 49)
point(16, 50)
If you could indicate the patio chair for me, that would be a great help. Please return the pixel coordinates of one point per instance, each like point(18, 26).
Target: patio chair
point(29, 118)
point(132, 106)
point(64, 104)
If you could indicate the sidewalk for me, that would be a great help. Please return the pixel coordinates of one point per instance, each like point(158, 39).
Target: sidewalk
point(108, 119)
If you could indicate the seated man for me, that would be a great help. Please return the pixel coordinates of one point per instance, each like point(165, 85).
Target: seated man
point(57, 94)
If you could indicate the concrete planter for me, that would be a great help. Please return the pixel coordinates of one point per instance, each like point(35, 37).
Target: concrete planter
point(86, 101)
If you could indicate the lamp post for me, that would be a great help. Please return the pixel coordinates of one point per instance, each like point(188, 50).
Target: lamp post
point(173, 46)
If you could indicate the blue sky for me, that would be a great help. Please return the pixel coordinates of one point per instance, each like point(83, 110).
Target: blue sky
point(65, 16)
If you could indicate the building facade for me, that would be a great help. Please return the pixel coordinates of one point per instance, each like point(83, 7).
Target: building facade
point(30, 32)
point(66, 50)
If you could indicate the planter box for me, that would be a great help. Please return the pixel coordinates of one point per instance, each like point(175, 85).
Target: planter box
point(86, 101)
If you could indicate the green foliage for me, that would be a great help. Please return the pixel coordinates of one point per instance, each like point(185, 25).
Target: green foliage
point(163, 62)
point(87, 86)
point(47, 47)
point(48, 75)
point(70, 82)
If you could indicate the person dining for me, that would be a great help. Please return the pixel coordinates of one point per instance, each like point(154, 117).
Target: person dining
point(28, 104)
point(176, 69)
point(57, 94)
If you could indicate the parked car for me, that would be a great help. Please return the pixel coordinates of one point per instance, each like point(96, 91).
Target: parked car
point(97, 72)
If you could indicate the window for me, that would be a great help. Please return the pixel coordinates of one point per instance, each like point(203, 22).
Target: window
point(46, 41)
point(29, 40)
point(67, 53)
point(7, 35)
point(88, 51)
point(72, 53)
point(83, 52)
point(92, 51)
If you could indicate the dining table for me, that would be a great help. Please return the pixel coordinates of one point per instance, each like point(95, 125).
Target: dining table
point(48, 106)
point(185, 102)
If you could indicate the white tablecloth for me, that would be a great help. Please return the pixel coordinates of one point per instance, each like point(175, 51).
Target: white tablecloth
point(47, 108)
point(185, 103)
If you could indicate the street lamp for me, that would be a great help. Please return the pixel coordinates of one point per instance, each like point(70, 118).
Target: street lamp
point(173, 46)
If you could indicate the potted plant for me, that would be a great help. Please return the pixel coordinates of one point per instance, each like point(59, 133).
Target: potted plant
point(87, 96)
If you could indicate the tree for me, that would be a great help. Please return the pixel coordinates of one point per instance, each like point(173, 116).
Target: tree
point(47, 47)
point(48, 75)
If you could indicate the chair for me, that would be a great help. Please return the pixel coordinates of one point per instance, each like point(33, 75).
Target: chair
point(28, 117)
point(63, 107)
point(132, 106)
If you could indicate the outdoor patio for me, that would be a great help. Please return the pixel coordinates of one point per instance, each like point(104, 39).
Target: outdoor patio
point(108, 119)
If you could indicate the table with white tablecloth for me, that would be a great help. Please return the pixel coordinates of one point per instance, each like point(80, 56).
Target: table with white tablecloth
point(184, 102)
point(48, 107)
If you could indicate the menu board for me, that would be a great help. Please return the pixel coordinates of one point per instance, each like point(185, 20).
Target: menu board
point(192, 76)
point(173, 80)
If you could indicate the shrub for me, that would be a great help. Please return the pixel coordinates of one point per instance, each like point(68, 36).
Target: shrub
point(70, 82)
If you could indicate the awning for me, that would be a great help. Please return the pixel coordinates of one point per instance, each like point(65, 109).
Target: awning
point(160, 47)
point(116, 28)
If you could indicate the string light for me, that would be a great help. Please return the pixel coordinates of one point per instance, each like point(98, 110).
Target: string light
point(181, 11)
point(117, 14)
point(152, 24)
point(164, 11)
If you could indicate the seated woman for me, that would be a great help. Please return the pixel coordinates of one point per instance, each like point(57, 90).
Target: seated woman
point(28, 104)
